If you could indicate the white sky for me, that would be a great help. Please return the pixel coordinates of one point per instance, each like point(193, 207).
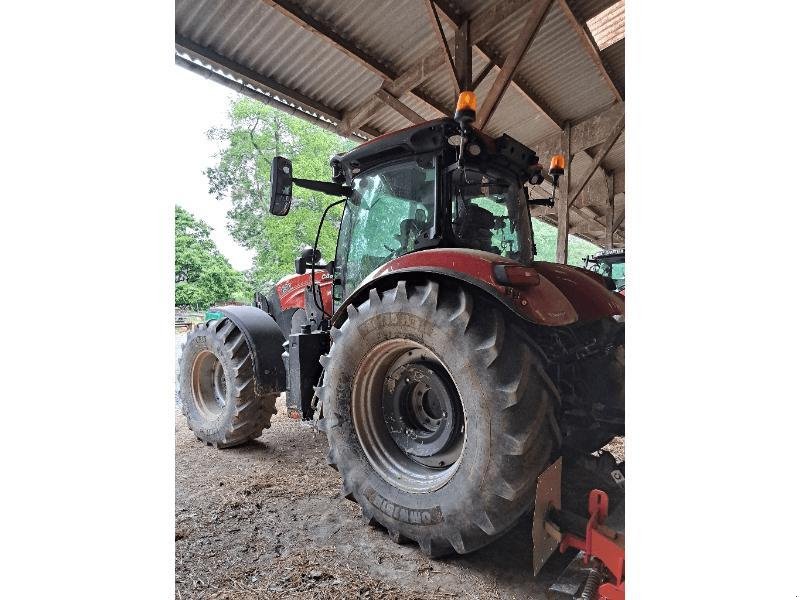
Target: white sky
point(197, 105)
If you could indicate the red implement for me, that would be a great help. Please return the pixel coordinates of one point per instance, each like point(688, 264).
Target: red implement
point(603, 544)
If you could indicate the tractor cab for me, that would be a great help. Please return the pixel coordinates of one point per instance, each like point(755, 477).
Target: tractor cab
point(439, 184)
point(411, 192)
point(609, 264)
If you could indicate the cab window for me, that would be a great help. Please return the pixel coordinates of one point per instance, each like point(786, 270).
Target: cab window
point(484, 209)
point(391, 210)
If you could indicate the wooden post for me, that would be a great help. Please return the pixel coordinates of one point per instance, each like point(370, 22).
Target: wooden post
point(610, 212)
point(563, 200)
point(463, 54)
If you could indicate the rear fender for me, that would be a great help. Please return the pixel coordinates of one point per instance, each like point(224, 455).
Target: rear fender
point(386, 281)
point(265, 343)
point(543, 293)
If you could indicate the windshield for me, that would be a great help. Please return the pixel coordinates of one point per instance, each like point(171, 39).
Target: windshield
point(484, 213)
point(390, 212)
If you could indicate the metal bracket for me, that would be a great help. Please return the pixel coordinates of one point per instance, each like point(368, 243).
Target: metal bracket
point(548, 496)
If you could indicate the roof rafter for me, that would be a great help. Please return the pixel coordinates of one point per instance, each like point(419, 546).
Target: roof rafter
point(483, 23)
point(256, 94)
point(585, 133)
point(482, 75)
point(326, 32)
point(618, 219)
point(591, 48)
point(613, 136)
point(441, 39)
point(399, 107)
point(532, 23)
point(455, 20)
point(209, 56)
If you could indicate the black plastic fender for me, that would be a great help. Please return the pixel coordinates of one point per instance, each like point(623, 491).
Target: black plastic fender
point(265, 343)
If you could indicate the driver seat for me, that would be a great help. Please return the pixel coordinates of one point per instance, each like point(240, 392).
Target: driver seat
point(474, 228)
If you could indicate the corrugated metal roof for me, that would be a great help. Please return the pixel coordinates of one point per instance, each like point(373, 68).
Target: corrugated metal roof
point(559, 69)
point(586, 9)
point(260, 38)
point(257, 36)
point(609, 26)
point(615, 159)
point(614, 59)
point(397, 32)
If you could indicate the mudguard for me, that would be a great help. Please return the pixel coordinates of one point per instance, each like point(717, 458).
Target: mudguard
point(543, 293)
point(265, 343)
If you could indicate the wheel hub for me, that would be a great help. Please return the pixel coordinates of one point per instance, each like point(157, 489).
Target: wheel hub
point(209, 383)
point(408, 416)
point(419, 410)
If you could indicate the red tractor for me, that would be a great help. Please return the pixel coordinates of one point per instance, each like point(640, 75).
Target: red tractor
point(446, 365)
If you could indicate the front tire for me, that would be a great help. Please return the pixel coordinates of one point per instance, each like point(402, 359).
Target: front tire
point(438, 413)
point(217, 386)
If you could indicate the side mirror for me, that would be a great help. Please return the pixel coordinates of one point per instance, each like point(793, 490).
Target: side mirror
point(281, 193)
point(305, 260)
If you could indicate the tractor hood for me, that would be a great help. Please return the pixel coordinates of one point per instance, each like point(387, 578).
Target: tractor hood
point(544, 293)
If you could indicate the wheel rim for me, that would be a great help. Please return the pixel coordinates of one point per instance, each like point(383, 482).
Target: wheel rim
point(408, 416)
point(208, 383)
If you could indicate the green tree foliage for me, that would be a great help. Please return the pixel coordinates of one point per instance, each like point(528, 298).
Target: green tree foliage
point(203, 276)
point(253, 135)
point(545, 236)
point(256, 133)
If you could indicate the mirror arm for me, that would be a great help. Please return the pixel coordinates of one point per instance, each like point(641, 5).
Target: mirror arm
point(332, 189)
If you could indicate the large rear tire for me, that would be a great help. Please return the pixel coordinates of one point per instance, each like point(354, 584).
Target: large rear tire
point(438, 413)
point(217, 386)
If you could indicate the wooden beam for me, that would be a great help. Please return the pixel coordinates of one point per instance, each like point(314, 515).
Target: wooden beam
point(482, 25)
point(619, 181)
point(398, 106)
point(618, 219)
point(441, 40)
point(590, 48)
point(562, 204)
point(609, 241)
point(539, 104)
point(222, 63)
point(531, 26)
point(463, 56)
point(324, 31)
point(587, 228)
point(616, 131)
point(592, 219)
point(495, 59)
point(482, 75)
point(255, 94)
point(585, 133)
point(434, 104)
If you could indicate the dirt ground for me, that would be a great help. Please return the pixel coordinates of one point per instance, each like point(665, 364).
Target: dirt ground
point(267, 520)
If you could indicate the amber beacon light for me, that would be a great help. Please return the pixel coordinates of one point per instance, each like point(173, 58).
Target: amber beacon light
point(466, 108)
point(557, 164)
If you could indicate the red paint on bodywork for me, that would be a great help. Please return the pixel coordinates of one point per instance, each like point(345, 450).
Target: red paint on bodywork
point(586, 291)
point(563, 295)
point(291, 290)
